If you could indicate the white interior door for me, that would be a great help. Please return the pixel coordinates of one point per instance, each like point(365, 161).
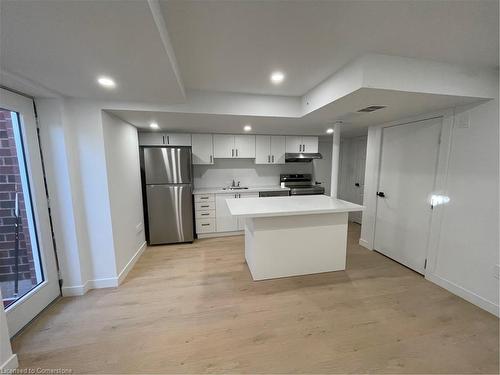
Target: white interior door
point(28, 277)
point(407, 175)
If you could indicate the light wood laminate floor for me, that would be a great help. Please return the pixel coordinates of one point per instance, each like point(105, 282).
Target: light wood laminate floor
point(194, 309)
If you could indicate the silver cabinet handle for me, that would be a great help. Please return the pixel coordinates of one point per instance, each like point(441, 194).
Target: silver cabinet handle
point(236, 152)
point(204, 206)
point(273, 158)
point(203, 197)
point(211, 158)
point(304, 148)
point(163, 139)
point(205, 225)
point(168, 139)
point(232, 153)
point(239, 195)
point(268, 158)
point(205, 214)
point(300, 148)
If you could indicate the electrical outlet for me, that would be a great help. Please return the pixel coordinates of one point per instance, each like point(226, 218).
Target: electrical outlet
point(138, 228)
point(496, 271)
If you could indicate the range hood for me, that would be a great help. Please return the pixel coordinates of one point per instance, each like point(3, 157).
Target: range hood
point(301, 157)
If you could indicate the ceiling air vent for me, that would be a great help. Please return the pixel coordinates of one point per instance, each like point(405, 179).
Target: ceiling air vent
point(372, 108)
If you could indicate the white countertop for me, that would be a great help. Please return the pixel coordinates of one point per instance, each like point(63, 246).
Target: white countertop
point(251, 189)
point(287, 206)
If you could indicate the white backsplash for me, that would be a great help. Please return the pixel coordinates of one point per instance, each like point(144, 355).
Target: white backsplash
point(246, 171)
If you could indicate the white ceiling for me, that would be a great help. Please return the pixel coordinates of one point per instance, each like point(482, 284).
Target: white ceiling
point(65, 45)
point(399, 105)
point(60, 47)
point(234, 45)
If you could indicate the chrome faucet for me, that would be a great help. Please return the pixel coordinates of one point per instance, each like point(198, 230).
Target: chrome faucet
point(233, 184)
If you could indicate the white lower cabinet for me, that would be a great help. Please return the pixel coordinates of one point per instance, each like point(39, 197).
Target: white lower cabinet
point(225, 222)
point(204, 213)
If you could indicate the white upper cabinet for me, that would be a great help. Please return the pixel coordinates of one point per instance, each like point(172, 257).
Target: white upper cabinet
point(244, 146)
point(151, 139)
point(203, 148)
point(301, 144)
point(234, 146)
point(177, 139)
point(223, 146)
point(269, 149)
point(162, 139)
point(278, 149)
point(262, 149)
point(310, 144)
point(293, 144)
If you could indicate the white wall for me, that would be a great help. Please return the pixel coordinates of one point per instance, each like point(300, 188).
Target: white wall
point(464, 253)
point(322, 168)
point(244, 170)
point(124, 184)
point(7, 359)
point(54, 141)
point(72, 140)
point(468, 247)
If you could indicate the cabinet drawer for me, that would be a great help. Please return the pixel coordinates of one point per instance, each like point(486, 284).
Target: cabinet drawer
point(204, 198)
point(202, 206)
point(205, 214)
point(205, 225)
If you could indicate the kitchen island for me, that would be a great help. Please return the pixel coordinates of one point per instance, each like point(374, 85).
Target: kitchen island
point(296, 235)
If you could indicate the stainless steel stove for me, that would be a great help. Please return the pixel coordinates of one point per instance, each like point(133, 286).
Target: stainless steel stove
point(301, 184)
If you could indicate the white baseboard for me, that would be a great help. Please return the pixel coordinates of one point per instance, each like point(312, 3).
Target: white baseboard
point(77, 290)
point(124, 272)
point(110, 282)
point(10, 364)
point(220, 234)
point(465, 294)
point(365, 244)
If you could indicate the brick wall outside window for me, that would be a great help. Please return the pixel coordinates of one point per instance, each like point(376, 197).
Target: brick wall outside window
point(10, 184)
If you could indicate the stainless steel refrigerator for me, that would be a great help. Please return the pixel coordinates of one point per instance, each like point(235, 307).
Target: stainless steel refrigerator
point(167, 175)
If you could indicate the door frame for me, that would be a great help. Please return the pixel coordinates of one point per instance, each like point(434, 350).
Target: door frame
point(435, 174)
point(33, 302)
point(372, 182)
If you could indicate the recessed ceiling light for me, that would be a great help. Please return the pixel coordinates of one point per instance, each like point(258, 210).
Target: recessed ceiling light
point(154, 125)
point(247, 128)
point(329, 131)
point(277, 77)
point(106, 82)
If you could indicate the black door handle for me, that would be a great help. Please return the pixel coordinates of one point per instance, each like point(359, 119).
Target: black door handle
point(356, 184)
point(381, 194)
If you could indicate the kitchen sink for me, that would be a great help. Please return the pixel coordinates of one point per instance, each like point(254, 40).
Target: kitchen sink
point(235, 188)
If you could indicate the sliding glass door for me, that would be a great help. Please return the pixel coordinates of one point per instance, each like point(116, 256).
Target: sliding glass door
point(28, 272)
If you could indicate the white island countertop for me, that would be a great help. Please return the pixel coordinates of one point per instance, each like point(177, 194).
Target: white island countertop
point(287, 206)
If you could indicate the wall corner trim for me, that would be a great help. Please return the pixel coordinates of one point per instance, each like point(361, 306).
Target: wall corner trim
point(128, 267)
point(365, 244)
point(465, 294)
point(10, 364)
